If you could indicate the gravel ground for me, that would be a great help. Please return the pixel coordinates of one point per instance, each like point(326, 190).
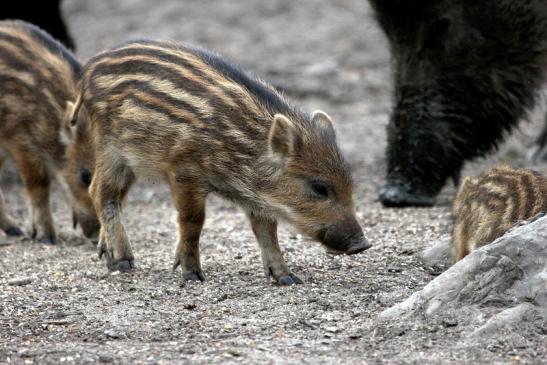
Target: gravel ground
point(58, 304)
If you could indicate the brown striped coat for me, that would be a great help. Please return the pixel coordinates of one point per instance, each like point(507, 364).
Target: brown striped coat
point(487, 206)
point(182, 114)
point(38, 77)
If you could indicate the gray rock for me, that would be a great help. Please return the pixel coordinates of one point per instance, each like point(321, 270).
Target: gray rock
point(510, 273)
point(519, 313)
point(438, 254)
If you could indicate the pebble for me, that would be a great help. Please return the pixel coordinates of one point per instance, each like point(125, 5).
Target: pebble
point(106, 357)
point(20, 281)
point(112, 333)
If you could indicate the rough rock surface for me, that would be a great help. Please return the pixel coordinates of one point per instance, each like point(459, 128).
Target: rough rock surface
point(437, 256)
point(511, 270)
point(508, 276)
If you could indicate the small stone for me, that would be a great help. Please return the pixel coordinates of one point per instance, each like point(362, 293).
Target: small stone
point(106, 357)
point(450, 322)
point(222, 298)
point(234, 353)
point(20, 281)
point(112, 333)
point(332, 329)
point(229, 327)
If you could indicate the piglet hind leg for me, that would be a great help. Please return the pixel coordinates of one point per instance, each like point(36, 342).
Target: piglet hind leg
point(110, 184)
point(37, 184)
point(191, 215)
point(265, 231)
point(7, 224)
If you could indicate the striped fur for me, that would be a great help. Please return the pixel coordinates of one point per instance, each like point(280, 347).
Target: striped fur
point(185, 115)
point(38, 76)
point(487, 206)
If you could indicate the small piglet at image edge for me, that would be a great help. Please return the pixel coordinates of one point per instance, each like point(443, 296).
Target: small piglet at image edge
point(38, 79)
point(186, 115)
point(489, 205)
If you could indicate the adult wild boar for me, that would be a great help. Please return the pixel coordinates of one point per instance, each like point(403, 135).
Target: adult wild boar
point(47, 15)
point(465, 72)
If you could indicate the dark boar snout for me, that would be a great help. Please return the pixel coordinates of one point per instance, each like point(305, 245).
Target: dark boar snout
point(345, 237)
point(89, 223)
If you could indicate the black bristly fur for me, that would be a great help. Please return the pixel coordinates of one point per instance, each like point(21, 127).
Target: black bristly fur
point(465, 73)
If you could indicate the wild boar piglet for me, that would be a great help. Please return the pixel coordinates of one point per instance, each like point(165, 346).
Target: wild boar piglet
point(188, 116)
point(487, 206)
point(38, 81)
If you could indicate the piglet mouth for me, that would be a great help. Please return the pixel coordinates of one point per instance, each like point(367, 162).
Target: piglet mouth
point(356, 245)
point(90, 227)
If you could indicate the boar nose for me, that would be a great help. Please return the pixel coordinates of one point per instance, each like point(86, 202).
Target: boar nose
point(345, 236)
point(90, 229)
point(358, 244)
point(400, 194)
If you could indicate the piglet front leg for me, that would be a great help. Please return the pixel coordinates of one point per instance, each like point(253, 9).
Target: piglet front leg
point(265, 231)
point(190, 204)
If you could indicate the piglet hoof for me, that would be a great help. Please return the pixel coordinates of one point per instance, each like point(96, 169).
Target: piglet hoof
point(194, 275)
point(189, 275)
point(102, 250)
point(121, 265)
point(124, 265)
point(13, 231)
point(290, 279)
point(50, 240)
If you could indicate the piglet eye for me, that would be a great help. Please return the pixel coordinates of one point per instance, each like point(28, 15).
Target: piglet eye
point(320, 189)
point(85, 177)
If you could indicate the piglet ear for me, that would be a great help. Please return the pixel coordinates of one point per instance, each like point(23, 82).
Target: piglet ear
point(323, 121)
point(283, 136)
point(69, 113)
point(68, 132)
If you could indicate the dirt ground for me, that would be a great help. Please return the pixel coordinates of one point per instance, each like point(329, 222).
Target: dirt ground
point(326, 55)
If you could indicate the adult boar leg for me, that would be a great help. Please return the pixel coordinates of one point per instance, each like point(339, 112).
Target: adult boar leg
point(265, 231)
point(7, 224)
point(37, 184)
point(110, 184)
point(191, 209)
